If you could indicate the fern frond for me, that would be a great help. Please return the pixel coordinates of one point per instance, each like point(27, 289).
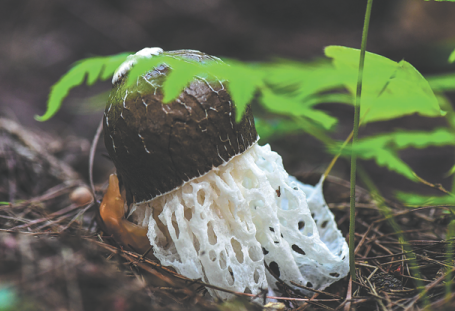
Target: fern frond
point(89, 69)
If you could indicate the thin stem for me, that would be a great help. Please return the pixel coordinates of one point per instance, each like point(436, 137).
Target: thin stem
point(334, 160)
point(92, 157)
point(346, 142)
point(354, 139)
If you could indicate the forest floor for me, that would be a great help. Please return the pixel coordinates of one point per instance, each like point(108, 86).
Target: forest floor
point(54, 256)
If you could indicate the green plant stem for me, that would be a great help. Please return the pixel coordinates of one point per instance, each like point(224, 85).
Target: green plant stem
point(354, 139)
point(334, 160)
point(313, 131)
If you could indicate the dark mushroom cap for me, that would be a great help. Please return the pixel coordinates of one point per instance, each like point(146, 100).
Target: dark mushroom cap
point(158, 147)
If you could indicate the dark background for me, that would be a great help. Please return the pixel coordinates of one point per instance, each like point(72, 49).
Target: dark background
point(39, 40)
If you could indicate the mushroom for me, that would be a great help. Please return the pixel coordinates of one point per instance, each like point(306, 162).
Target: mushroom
point(216, 206)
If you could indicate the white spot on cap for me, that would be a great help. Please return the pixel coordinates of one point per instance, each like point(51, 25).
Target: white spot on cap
point(132, 60)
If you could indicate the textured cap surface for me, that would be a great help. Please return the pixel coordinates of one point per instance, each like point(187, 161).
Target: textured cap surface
point(158, 147)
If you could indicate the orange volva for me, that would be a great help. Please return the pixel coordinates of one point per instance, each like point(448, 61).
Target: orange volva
point(112, 211)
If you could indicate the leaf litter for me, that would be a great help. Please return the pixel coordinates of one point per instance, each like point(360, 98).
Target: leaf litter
point(55, 256)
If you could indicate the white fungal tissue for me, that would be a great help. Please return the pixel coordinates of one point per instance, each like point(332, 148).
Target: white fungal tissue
point(132, 59)
point(223, 226)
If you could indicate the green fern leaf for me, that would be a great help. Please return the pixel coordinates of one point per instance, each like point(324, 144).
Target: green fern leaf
point(182, 73)
point(451, 171)
point(340, 98)
point(374, 149)
point(111, 63)
point(452, 56)
point(143, 65)
point(442, 83)
point(94, 69)
point(243, 82)
point(422, 200)
point(179, 78)
point(268, 129)
point(390, 90)
point(242, 92)
point(287, 106)
point(383, 148)
point(441, 0)
point(302, 79)
point(438, 137)
point(390, 159)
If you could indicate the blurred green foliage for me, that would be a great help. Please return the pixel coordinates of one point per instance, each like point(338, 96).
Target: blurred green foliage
point(8, 298)
point(89, 70)
point(291, 91)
